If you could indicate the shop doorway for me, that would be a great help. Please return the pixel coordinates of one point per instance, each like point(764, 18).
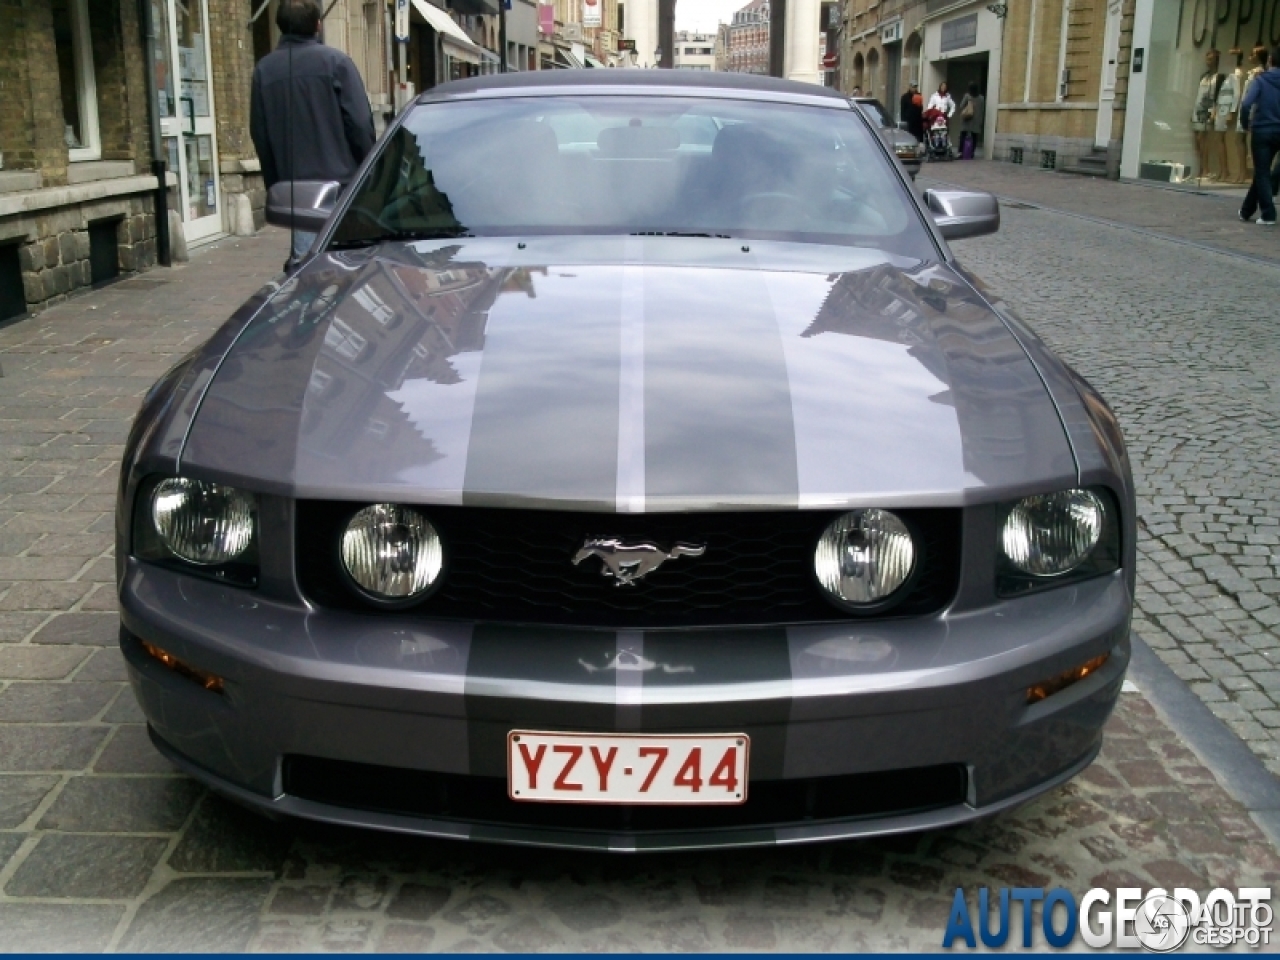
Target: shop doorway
point(962, 71)
point(1107, 92)
point(187, 118)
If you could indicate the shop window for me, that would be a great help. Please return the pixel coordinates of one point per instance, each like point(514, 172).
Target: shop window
point(1198, 64)
point(74, 50)
point(13, 301)
point(104, 251)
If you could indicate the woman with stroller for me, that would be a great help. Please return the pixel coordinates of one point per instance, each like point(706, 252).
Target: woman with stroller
point(941, 101)
point(936, 117)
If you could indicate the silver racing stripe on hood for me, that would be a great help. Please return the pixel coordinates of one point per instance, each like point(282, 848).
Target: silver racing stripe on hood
point(544, 431)
point(719, 431)
point(869, 388)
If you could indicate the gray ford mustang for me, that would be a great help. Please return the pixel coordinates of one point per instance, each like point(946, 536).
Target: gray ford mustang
point(629, 465)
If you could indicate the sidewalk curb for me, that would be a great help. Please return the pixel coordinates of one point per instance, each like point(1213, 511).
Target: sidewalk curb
point(1018, 202)
point(1236, 767)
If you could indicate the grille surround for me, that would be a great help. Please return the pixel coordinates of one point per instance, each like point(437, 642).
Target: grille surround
point(484, 800)
point(514, 566)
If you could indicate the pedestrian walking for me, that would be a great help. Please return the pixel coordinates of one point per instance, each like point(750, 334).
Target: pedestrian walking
point(308, 113)
point(973, 114)
point(1260, 115)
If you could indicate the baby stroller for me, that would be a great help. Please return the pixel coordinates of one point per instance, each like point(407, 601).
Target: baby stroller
point(937, 141)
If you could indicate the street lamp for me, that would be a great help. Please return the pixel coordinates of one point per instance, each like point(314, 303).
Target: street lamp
point(657, 57)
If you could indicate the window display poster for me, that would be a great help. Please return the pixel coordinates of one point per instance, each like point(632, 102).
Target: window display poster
point(591, 13)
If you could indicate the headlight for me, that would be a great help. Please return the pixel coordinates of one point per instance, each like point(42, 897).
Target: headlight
point(905, 151)
point(864, 556)
point(1052, 534)
point(392, 552)
point(200, 522)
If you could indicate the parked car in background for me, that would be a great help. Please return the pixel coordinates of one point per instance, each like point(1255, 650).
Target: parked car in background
point(589, 486)
point(904, 146)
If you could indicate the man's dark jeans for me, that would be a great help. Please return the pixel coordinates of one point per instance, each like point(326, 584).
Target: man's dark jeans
point(1261, 195)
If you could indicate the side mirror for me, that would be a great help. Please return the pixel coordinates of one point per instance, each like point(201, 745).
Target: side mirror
point(302, 204)
point(963, 213)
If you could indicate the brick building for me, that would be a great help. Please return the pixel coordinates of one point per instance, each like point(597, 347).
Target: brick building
point(78, 195)
point(1063, 89)
point(878, 44)
point(748, 39)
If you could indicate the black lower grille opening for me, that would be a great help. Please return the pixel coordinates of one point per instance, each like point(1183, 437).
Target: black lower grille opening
point(443, 796)
point(515, 566)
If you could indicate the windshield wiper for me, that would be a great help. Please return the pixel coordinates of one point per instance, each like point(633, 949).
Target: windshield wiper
point(401, 236)
point(678, 233)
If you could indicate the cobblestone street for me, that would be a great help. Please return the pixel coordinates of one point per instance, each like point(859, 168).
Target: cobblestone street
point(104, 846)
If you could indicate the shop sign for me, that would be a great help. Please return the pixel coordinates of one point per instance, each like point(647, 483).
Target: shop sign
point(626, 46)
point(546, 19)
point(591, 13)
point(401, 27)
point(1228, 23)
point(959, 33)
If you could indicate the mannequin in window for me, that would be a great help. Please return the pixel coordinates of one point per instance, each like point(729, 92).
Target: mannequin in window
point(1227, 121)
point(1202, 121)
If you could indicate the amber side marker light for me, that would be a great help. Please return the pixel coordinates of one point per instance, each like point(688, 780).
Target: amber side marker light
point(1047, 688)
point(207, 680)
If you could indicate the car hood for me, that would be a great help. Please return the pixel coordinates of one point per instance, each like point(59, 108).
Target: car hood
point(630, 374)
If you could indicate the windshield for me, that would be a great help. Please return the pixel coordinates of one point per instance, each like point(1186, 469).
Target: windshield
point(875, 112)
point(634, 165)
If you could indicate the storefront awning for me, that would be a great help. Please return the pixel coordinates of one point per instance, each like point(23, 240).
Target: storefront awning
point(593, 62)
point(568, 57)
point(456, 43)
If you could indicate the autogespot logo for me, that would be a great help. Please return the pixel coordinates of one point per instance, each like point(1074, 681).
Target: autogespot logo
point(1155, 920)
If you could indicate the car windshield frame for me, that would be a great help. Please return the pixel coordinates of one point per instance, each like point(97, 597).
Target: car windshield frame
point(457, 167)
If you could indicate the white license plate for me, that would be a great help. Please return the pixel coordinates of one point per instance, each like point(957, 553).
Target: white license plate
point(627, 768)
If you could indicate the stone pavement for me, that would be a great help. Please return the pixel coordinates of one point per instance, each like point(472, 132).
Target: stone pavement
point(104, 846)
point(1202, 217)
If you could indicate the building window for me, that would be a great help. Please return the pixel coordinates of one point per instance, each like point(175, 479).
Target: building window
point(75, 76)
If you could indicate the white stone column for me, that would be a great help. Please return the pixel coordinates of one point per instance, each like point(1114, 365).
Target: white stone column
point(800, 60)
point(641, 25)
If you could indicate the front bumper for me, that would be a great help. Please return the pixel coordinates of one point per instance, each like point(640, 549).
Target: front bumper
point(820, 702)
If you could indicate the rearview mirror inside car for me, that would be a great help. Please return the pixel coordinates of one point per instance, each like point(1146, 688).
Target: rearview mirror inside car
point(302, 204)
point(963, 213)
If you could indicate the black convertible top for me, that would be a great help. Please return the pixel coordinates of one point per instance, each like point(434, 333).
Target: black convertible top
point(596, 79)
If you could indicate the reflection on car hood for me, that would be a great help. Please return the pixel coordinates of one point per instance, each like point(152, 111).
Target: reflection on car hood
point(630, 374)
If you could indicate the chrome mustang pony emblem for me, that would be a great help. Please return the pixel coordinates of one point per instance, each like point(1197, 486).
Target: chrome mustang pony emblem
point(629, 562)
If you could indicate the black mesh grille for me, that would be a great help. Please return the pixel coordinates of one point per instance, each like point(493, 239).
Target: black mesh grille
point(417, 793)
point(515, 566)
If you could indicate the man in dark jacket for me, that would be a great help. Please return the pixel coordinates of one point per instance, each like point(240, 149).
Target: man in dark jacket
point(308, 116)
point(1261, 117)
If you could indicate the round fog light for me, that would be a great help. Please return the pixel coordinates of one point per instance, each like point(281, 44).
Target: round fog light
point(200, 522)
point(1052, 533)
point(864, 556)
point(392, 552)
